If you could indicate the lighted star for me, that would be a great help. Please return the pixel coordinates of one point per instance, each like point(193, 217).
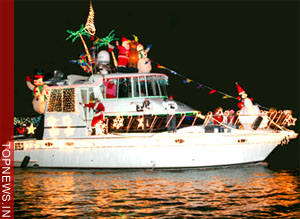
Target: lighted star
point(140, 122)
point(30, 129)
point(291, 121)
point(118, 122)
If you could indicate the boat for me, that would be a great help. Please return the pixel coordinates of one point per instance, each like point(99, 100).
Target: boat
point(138, 126)
point(124, 141)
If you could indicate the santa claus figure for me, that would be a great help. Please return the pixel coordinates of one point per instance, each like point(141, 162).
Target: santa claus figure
point(98, 109)
point(123, 52)
point(39, 92)
point(249, 112)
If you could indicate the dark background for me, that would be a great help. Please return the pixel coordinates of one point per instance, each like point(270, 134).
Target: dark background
point(214, 42)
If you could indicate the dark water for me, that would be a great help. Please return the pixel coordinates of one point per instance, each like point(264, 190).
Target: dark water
point(237, 191)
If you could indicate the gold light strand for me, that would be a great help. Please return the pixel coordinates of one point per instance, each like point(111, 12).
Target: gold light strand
point(89, 26)
point(140, 122)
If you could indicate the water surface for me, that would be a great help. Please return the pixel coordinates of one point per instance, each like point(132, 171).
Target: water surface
point(237, 191)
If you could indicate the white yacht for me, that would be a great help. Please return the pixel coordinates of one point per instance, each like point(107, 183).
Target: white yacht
point(124, 139)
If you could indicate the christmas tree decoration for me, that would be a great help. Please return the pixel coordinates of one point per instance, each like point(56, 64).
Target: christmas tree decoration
point(118, 122)
point(90, 26)
point(30, 129)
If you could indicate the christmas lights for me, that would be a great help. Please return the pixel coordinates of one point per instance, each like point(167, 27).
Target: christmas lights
point(30, 129)
point(140, 122)
point(62, 100)
point(118, 122)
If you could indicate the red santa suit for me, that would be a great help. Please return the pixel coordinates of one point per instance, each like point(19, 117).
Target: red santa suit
point(123, 53)
point(98, 109)
point(218, 117)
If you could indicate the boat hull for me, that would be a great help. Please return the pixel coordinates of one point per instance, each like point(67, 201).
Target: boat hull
point(162, 150)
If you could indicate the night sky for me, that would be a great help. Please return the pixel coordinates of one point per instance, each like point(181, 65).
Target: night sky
point(217, 43)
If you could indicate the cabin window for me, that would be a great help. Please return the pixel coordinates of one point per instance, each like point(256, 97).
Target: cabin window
point(124, 88)
point(153, 86)
point(143, 87)
point(136, 87)
point(111, 88)
point(62, 100)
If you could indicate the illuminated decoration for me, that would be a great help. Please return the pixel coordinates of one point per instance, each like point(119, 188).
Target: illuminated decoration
point(80, 33)
point(21, 130)
point(199, 115)
point(186, 81)
point(140, 120)
point(51, 122)
point(118, 122)
point(62, 100)
point(67, 121)
point(83, 63)
point(68, 100)
point(212, 91)
point(90, 26)
point(53, 132)
point(199, 85)
point(105, 40)
point(100, 128)
point(30, 129)
point(290, 120)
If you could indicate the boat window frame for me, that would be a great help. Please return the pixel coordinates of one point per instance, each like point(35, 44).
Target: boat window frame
point(139, 79)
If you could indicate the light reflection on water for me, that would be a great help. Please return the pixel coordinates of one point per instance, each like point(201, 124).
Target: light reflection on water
point(237, 191)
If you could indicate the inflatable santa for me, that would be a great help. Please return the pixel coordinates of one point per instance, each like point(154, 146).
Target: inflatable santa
point(123, 52)
point(39, 92)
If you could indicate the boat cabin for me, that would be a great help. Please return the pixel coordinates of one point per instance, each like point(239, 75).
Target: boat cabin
point(122, 95)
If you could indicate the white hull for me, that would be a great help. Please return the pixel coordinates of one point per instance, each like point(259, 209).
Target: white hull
point(156, 150)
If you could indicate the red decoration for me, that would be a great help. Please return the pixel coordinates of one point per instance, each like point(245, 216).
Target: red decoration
point(239, 88)
point(212, 91)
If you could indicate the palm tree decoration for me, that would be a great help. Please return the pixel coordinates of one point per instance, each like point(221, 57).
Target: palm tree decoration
point(75, 34)
point(105, 41)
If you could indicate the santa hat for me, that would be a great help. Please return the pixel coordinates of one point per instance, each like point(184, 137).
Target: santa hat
point(124, 39)
point(38, 75)
point(240, 89)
